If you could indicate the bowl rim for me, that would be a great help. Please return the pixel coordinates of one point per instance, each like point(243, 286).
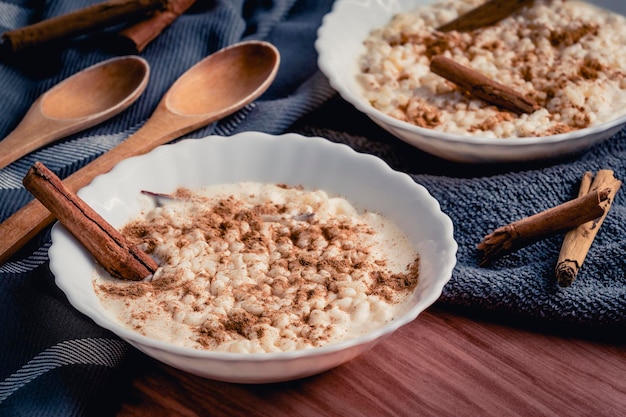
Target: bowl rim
point(60, 235)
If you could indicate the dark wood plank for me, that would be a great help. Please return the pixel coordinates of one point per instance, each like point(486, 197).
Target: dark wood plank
point(442, 364)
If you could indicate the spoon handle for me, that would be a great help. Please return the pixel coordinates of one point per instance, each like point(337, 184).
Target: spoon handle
point(161, 128)
point(33, 132)
point(17, 144)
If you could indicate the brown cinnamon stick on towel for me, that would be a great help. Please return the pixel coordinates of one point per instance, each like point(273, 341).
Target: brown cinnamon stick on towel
point(484, 15)
point(481, 86)
point(557, 219)
point(110, 248)
point(135, 38)
point(577, 242)
point(78, 22)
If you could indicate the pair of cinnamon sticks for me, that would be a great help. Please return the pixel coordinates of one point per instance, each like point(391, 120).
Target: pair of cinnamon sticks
point(581, 218)
point(156, 15)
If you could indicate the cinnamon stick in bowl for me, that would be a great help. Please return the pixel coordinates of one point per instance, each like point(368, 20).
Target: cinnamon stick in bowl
point(484, 15)
point(481, 86)
point(110, 248)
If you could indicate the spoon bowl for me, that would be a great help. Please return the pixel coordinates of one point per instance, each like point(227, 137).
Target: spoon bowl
point(215, 87)
point(83, 100)
point(236, 74)
point(100, 91)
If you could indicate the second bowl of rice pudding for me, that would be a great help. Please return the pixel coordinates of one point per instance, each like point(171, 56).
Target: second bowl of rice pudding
point(567, 56)
point(270, 268)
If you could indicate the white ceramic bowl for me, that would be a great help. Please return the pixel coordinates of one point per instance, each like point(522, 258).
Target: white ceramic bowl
point(363, 179)
point(340, 43)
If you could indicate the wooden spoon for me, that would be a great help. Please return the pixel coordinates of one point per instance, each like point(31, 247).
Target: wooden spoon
point(76, 103)
point(212, 89)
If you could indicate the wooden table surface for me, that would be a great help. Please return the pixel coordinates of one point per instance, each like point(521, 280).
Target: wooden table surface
point(442, 364)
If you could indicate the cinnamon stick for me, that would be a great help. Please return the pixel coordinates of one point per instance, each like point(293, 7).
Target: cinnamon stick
point(77, 23)
point(135, 38)
point(577, 242)
point(481, 86)
point(557, 219)
point(110, 248)
point(484, 15)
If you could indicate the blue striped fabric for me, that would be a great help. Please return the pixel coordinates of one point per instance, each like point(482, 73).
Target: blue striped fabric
point(55, 362)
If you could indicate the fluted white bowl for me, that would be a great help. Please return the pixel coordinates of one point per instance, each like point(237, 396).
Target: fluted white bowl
point(340, 43)
point(313, 162)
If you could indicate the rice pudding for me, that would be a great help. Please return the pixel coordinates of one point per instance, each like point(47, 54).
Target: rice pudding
point(254, 267)
point(568, 56)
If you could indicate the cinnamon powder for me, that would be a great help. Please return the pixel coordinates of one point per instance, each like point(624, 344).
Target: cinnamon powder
point(309, 265)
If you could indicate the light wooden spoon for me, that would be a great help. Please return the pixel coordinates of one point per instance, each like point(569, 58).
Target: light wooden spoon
point(83, 100)
point(212, 89)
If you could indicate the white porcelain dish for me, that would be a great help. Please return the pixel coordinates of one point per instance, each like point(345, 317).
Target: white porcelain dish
point(340, 43)
point(363, 179)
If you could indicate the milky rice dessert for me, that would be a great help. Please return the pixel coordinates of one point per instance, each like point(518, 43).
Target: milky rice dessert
point(253, 267)
point(568, 56)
